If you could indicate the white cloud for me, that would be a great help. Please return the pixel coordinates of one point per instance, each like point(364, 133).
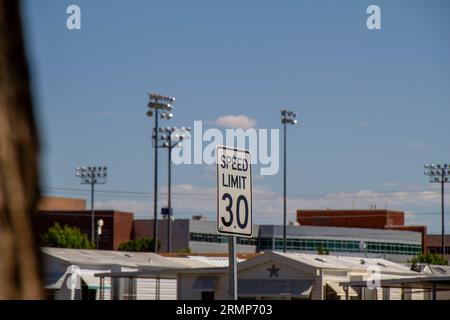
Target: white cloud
point(235, 122)
point(188, 200)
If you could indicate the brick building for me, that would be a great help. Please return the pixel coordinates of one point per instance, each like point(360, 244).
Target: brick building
point(201, 236)
point(61, 203)
point(434, 244)
point(117, 226)
point(367, 219)
point(372, 219)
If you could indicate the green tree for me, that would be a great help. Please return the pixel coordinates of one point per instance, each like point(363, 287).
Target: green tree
point(322, 251)
point(145, 244)
point(430, 258)
point(185, 250)
point(66, 237)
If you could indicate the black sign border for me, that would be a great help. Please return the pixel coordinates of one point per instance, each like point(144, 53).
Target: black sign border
point(251, 193)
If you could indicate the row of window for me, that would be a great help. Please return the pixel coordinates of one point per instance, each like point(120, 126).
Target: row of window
point(217, 238)
point(299, 244)
point(342, 246)
point(438, 250)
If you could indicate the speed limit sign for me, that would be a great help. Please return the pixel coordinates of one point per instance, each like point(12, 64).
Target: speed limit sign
point(234, 191)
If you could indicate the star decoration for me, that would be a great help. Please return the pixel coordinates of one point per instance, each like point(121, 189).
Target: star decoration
point(273, 271)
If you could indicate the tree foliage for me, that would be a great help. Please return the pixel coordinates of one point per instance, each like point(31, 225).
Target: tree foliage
point(66, 237)
point(185, 250)
point(322, 251)
point(430, 258)
point(145, 244)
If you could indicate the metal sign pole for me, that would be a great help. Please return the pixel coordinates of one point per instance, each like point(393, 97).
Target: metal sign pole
point(234, 203)
point(232, 268)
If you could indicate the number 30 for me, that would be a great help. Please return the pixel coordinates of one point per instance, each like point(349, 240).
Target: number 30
point(242, 225)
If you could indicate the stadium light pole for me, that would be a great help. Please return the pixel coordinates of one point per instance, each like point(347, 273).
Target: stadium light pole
point(174, 136)
point(287, 117)
point(439, 174)
point(92, 175)
point(164, 104)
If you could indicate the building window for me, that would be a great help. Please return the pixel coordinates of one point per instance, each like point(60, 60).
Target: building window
point(123, 288)
point(215, 238)
point(307, 244)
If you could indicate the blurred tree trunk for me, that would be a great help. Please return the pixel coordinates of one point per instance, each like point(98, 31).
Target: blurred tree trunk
point(19, 191)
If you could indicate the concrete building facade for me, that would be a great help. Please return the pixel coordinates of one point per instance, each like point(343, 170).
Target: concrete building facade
point(357, 218)
point(372, 233)
point(202, 237)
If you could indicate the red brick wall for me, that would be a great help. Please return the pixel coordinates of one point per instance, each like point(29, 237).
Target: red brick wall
point(123, 228)
point(372, 219)
point(434, 240)
point(61, 203)
point(117, 226)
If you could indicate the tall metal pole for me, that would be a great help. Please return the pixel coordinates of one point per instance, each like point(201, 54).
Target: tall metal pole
point(155, 187)
point(442, 212)
point(287, 117)
point(284, 192)
point(232, 270)
point(440, 173)
point(169, 196)
point(92, 175)
point(92, 211)
point(164, 103)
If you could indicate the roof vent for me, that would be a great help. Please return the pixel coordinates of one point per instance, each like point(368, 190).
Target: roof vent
point(362, 261)
point(128, 255)
point(382, 264)
point(321, 259)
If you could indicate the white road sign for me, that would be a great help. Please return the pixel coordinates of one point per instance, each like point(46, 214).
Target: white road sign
point(234, 191)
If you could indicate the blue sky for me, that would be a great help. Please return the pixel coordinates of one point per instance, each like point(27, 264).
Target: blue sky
point(373, 105)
